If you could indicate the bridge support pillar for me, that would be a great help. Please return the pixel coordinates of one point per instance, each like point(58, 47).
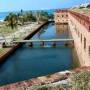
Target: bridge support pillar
point(71, 43)
point(31, 44)
point(42, 44)
point(54, 44)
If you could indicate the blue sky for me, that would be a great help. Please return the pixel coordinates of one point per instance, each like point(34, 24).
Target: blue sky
point(15, 5)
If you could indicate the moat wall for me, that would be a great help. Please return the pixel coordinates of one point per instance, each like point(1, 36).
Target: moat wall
point(80, 33)
point(79, 27)
point(14, 48)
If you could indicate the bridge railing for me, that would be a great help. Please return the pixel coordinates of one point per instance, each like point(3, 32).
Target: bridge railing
point(43, 40)
point(47, 42)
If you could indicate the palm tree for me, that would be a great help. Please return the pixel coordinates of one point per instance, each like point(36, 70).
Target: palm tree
point(42, 16)
point(26, 17)
point(21, 17)
point(30, 16)
point(12, 20)
point(38, 16)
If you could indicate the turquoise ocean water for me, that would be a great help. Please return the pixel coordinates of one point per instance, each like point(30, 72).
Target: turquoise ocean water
point(3, 15)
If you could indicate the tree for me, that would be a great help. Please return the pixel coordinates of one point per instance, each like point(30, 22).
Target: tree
point(21, 17)
point(12, 20)
point(51, 16)
point(42, 16)
point(30, 16)
point(26, 17)
point(37, 16)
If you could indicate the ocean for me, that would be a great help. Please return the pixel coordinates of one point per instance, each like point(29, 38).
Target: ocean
point(4, 14)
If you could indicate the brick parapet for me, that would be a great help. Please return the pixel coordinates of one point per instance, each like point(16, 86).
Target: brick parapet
point(82, 19)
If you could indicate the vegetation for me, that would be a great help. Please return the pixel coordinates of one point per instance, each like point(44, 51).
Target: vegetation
point(11, 20)
point(43, 16)
point(46, 87)
point(80, 81)
point(25, 17)
point(77, 81)
point(14, 19)
point(5, 30)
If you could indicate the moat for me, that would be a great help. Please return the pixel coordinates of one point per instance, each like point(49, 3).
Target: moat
point(27, 62)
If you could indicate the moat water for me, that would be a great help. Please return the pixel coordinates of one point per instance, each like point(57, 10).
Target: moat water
point(27, 63)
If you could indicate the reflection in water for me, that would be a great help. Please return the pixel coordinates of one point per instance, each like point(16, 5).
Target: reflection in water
point(43, 30)
point(62, 29)
point(52, 31)
point(40, 33)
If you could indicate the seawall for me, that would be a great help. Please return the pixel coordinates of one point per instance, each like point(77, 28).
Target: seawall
point(14, 48)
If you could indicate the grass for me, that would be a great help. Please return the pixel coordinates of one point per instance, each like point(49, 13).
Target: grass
point(6, 30)
point(77, 81)
point(80, 81)
point(47, 87)
point(3, 51)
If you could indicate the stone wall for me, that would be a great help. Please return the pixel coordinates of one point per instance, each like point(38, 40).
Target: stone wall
point(79, 26)
point(61, 16)
point(81, 36)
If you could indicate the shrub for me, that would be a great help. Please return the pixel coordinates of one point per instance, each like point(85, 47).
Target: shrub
point(80, 81)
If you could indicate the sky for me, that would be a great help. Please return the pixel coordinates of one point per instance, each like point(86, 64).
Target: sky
point(15, 5)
